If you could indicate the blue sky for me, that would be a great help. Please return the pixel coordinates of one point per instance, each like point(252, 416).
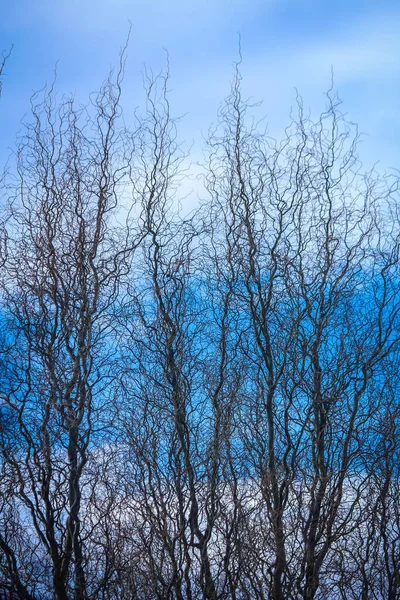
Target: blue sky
point(285, 44)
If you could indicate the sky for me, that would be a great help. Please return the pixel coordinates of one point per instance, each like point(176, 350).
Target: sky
point(286, 44)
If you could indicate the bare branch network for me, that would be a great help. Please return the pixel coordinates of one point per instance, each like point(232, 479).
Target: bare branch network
point(198, 407)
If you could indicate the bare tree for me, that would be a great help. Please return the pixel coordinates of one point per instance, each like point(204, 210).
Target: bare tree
point(202, 406)
point(63, 257)
point(303, 233)
point(3, 60)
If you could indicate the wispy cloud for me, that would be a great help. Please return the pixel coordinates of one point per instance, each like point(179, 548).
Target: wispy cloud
point(286, 44)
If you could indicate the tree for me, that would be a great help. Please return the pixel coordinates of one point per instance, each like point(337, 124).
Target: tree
point(202, 406)
point(3, 61)
point(62, 261)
